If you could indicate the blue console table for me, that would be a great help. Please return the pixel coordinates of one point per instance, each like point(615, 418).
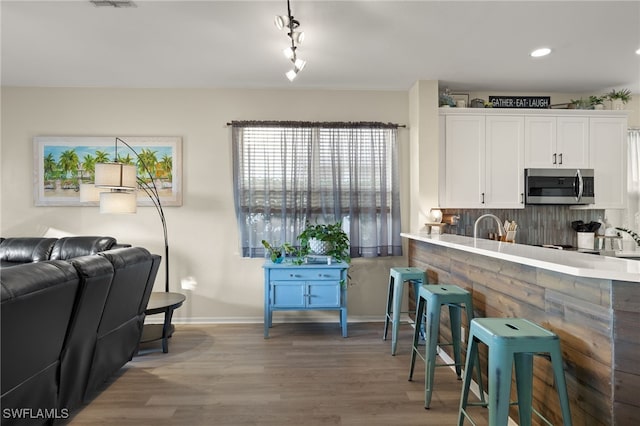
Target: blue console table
point(289, 287)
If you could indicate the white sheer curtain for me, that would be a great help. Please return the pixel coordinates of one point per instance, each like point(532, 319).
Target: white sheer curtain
point(632, 215)
point(287, 173)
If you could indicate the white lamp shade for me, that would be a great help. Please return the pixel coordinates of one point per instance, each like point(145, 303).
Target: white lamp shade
point(288, 53)
point(118, 202)
point(281, 21)
point(298, 36)
point(299, 64)
point(115, 175)
point(291, 74)
point(89, 193)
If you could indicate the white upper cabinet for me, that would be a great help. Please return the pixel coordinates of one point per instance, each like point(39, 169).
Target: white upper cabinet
point(464, 145)
point(556, 142)
point(504, 162)
point(608, 137)
point(483, 161)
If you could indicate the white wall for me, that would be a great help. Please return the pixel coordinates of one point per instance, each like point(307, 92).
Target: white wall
point(203, 235)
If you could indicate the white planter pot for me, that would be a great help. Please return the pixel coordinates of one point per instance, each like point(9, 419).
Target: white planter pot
point(617, 104)
point(319, 247)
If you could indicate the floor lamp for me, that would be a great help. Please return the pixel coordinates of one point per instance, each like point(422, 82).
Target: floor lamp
point(122, 183)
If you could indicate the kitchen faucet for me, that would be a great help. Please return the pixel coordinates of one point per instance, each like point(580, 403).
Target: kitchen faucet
point(500, 227)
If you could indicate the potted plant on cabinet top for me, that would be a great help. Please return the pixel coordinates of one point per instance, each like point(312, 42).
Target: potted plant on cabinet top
point(619, 98)
point(596, 102)
point(328, 240)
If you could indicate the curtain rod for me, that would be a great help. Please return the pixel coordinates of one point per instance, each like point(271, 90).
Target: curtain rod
point(271, 123)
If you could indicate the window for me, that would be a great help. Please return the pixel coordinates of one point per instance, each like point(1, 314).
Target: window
point(286, 174)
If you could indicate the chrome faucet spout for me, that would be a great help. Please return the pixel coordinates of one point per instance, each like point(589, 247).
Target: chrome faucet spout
point(497, 219)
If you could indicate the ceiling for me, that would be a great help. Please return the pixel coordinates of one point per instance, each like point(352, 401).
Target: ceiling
point(384, 45)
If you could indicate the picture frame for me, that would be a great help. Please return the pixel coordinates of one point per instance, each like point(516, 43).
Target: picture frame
point(461, 97)
point(63, 163)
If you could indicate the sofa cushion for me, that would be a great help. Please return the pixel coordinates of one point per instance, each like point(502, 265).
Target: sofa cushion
point(37, 301)
point(121, 324)
point(96, 274)
point(70, 247)
point(25, 250)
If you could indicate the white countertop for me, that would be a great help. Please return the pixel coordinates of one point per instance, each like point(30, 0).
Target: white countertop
point(563, 261)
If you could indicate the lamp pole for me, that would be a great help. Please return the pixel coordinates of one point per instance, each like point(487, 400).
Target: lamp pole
point(152, 192)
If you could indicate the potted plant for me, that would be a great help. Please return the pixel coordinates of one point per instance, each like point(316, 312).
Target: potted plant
point(597, 102)
point(446, 99)
point(277, 253)
point(618, 98)
point(579, 104)
point(328, 240)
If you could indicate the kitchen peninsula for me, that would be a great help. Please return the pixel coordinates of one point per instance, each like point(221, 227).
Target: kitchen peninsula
point(592, 302)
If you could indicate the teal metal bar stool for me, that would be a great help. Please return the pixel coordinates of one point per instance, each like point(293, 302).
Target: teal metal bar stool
point(435, 296)
point(510, 339)
point(397, 278)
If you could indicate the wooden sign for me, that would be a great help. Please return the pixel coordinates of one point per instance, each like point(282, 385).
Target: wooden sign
point(520, 101)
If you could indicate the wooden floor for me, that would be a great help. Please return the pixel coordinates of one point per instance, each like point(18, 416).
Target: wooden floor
point(305, 374)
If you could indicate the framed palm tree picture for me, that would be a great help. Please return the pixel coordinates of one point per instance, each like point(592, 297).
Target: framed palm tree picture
point(63, 163)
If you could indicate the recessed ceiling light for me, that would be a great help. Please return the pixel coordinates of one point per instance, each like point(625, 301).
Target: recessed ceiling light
point(544, 51)
point(638, 52)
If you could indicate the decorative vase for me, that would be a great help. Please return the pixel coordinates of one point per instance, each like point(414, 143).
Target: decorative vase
point(617, 104)
point(279, 259)
point(319, 247)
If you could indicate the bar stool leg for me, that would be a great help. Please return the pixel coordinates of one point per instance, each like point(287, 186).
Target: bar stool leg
point(469, 310)
point(561, 385)
point(389, 306)
point(433, 327)
point(455, 316)
point(472, 356)
point(524, 385)
point(500, 366)
point(416, 335)
point(397, 306)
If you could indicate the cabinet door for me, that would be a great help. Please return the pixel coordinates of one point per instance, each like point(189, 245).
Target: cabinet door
point(504, 160)
point(464, 161)
point(609, 159)
point(288, 294)
point(540, 142)
point(323, 294)
point(572, 142)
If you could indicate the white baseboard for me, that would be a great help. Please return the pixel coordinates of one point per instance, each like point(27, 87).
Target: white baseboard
point(331, 317)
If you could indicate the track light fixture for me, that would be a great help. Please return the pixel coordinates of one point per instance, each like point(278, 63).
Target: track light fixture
point(290, 24)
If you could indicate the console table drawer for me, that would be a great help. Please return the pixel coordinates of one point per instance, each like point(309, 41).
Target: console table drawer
point(302, 274)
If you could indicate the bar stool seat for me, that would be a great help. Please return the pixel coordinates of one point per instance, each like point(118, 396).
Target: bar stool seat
point(397, 278)
point(509, 340)
point(435, 296)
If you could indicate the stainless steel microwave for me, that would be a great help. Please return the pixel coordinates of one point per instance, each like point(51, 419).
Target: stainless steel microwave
point(559, 186)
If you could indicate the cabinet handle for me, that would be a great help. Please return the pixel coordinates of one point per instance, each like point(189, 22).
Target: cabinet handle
point(555, 158)
point(560, 158)
point(482, 202)
point(522, 198)
point(294, 275)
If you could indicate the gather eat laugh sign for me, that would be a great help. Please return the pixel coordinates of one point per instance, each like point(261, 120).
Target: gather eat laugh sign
point(520, 101)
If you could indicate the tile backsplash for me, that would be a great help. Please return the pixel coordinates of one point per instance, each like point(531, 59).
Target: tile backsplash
point(536, 224)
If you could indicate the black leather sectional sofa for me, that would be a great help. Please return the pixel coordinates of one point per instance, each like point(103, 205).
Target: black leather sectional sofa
point(72, 314)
